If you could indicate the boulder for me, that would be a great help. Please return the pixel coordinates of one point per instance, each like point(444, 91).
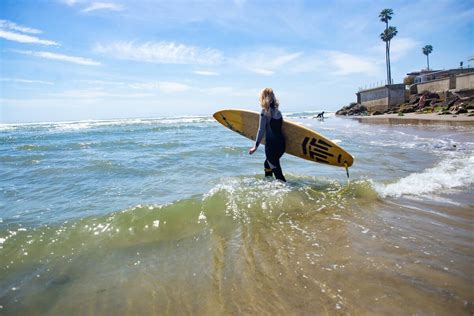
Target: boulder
point(353, 109)
point(395, 108)
point(469, 106)
point(464, 93)
point(407, 108)
point(450, 100)
point(432, 95)
point(467, 99)
point(458, 109)
point(414, 99)
point(437, 103)
point(345, 109)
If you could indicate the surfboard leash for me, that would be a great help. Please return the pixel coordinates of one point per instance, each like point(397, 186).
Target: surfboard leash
point(347, 172)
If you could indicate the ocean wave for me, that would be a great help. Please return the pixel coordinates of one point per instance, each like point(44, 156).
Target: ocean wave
point(35, 147)
point(452, 172)
point(229, 204)
point(433, 145)
point(88, 124)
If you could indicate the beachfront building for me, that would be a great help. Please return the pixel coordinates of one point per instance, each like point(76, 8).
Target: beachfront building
point(382, 98)
point(385, 97)
point(442, 80)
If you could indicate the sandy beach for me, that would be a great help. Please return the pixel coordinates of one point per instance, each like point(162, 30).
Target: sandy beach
point(418, 119)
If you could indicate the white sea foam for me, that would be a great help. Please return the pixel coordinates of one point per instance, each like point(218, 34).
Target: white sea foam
point(242, 193)
point(450, 173)
point(245, 187)
point(86, 124)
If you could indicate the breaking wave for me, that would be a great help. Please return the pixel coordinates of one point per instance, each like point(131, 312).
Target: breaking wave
point(450, 173)
point(87, 124)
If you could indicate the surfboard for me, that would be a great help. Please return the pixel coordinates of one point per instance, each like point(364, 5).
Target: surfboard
point(300, 141)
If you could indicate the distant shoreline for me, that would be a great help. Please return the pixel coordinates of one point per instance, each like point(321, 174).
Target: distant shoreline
point(418, 119)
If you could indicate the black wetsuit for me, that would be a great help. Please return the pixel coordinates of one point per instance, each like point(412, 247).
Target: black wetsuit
point(270, 126)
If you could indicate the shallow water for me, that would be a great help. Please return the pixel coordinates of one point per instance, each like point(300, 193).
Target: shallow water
point(171, 216)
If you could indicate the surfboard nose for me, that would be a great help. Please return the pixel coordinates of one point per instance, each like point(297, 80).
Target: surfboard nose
point(217, 115)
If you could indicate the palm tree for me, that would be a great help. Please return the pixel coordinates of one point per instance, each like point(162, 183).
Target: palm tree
point(386, 36)
point(427, 50)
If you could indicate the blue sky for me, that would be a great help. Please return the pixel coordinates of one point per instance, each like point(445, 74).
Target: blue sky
point(81, 59)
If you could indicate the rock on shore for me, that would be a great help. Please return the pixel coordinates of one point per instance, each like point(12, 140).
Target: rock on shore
point(447, 102)
point(353, 109)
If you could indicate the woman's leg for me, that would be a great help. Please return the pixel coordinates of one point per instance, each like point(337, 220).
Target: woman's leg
point(279, 174)
point(273, 154)
point(274, 164)
point(268, 170)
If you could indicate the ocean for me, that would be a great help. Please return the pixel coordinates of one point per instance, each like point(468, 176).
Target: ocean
point(172, 216)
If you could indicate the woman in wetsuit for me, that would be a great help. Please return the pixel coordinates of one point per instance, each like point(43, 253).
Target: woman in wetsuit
point(271, 121)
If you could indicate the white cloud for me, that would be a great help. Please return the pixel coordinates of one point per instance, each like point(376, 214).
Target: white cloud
point(206, 73)
point(310, 63)
point(161, 52)
point(399, 47)
point(61, 57)
point(262, 71)
point(346, 64)
point(97, 94)
point(103, 82)
point(26, 81)
point(284, 59)
point(164, 86)
point(9, 31)
point(267, 61)
point(23, 38)
point(70, 2)
point(4, 24)
point(95, 6)
point(230, 92)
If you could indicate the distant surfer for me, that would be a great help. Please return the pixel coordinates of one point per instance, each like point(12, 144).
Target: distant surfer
point(320, 115)
point(270, 124)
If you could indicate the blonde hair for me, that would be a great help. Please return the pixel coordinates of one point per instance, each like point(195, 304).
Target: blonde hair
point(268, 99)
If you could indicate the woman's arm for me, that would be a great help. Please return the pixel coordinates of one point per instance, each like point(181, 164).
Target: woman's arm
point(261, 129)
point(260, 133)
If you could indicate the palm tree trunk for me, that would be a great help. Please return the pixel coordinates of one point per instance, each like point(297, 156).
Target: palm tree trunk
point(386, 62)
point(387, 56)
point(389, 66)
point(428, 61)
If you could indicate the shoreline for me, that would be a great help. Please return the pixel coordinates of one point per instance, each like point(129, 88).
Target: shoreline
point(418, 119)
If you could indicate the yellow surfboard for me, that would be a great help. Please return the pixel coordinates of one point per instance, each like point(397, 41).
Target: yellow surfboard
point(300, 141)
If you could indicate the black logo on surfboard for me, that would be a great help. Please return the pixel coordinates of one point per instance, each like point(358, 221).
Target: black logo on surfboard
point(316, 149)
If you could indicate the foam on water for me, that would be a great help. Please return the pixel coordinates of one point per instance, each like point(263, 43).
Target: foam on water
point(87, 124)
point(450, 173)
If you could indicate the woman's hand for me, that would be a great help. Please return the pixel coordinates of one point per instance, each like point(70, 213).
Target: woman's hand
point(252, 150)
